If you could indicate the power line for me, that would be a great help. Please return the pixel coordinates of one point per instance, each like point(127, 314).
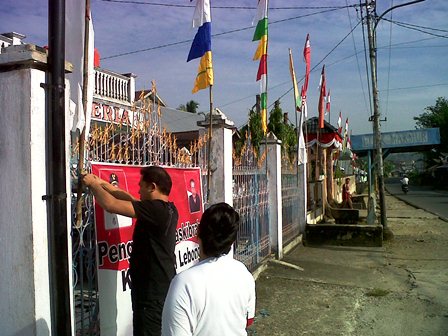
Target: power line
point(413, 27)
point(366, 62)
point(331, 64)
point(415, 47)
point(321, 61)
point(389, 58)
point(414, 41)
point(416, 87)
point(312, 70)
point(220, 7)
point(417, 26)
point(214, 35)
point(357, 60)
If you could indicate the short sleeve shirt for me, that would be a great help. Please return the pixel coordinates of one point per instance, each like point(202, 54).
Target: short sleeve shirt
point(214, 297)
point(152, 262)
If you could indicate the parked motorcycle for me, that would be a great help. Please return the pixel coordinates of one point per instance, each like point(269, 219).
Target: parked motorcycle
point(405, 188)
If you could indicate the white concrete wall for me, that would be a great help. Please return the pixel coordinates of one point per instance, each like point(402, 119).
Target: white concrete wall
point(220, 160)
point(24, 281)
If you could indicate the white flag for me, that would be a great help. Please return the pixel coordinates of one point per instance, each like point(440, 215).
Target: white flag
point(74, 53)
point(201, 13)
point(302, 159)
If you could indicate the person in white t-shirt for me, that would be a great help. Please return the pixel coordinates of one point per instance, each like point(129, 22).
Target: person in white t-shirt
point(405, 181)
point(217, 295)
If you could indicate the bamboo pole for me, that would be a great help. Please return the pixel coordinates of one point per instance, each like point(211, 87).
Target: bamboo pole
point(209, 149)
point(82, 136)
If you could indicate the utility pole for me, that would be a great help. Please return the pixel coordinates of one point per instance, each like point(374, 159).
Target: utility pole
point(371, 14)
point(372, 21)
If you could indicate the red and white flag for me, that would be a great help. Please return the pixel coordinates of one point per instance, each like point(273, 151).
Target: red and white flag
point(323, 94)
point(346, 133)
point(327, 105)
point(340, 123)
point(307, 58)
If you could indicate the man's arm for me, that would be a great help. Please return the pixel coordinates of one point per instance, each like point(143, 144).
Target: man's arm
point(106, 197)
point(251, 306)
point(117, 192)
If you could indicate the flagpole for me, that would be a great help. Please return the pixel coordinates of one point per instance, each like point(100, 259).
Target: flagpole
point(266, 88)
point(299, 131)
point(209, 143)
point(82, 135)
point(305, 165)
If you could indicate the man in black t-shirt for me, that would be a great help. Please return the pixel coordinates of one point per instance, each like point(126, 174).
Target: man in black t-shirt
point(152, 262)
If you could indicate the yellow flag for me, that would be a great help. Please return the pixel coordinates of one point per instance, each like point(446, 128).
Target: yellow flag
point(262, 48)
point(204, 77)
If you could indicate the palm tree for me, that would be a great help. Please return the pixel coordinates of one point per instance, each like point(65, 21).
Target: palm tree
point(191, 106)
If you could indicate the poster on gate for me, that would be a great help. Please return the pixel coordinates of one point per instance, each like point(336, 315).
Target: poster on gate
point(114, 239)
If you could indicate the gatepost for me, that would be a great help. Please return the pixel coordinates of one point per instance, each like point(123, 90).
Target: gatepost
point(24, 278)
point(221, 157)
point(274, 174)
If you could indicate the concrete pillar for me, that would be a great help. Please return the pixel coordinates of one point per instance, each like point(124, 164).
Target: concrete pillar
point(324, 173)
point(131, 87)
point(303, 194)
point(221, 157)
point(24, 279)
point(274, 167)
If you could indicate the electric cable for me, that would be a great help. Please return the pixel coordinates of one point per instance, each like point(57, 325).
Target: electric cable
point(357, 61)
point(414, 27)
point(214, 35)
point(386, 109)
point(218, 7)
point(369, 90)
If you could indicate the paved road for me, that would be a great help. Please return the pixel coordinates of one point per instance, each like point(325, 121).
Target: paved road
point(434, 201)
point(397, 289)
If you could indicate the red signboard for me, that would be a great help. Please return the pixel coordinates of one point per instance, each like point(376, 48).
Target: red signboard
point(114, 232)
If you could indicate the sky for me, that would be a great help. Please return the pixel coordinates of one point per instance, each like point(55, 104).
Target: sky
point(152, 38)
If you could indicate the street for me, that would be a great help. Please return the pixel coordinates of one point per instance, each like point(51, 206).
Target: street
point(397, 289)
point(427, 198)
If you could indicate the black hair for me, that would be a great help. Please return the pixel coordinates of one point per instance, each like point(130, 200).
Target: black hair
point(158, 176)
point(218, 229)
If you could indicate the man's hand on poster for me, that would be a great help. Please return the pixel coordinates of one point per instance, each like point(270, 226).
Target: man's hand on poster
point(92, 181)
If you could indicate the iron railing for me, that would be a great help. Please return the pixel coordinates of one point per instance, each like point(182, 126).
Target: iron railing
point(142, 143)
point(250, 200)
point(290, 205)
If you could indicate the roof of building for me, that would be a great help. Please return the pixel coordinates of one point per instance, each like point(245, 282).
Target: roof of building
point(312, 126)
point(179, 121)
point(148, 94)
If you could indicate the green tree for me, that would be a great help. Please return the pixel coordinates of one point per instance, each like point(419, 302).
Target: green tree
point(191, 106)
point(254, 129)
point(436, 116)
point(282, 130)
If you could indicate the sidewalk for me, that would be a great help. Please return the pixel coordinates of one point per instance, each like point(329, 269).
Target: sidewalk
point(397, 289)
